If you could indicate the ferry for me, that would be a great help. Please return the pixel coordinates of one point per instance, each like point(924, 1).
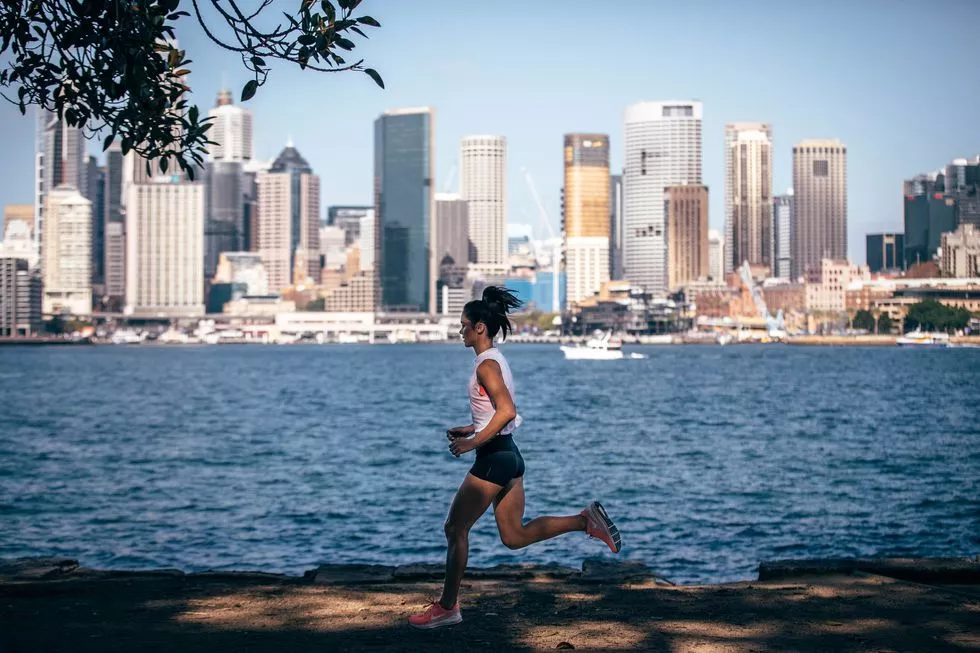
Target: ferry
point(918, 338)
point(602, 347)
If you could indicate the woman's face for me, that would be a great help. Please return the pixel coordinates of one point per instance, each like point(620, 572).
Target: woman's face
point(468, 331)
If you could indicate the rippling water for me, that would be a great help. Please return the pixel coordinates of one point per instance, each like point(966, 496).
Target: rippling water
point(710, 459)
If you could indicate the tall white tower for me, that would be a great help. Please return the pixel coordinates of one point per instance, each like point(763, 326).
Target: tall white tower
point(748, 194)
point(483, 184)
point(663, 148)
point(232, 130)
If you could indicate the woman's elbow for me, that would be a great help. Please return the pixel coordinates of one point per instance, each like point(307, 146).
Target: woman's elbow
point(509, 412)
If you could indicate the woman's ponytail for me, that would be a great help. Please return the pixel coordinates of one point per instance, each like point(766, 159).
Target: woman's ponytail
point(492, 310)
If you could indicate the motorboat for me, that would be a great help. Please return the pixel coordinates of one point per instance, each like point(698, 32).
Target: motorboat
point(126, 337)
point(602, 347)
point(918, 338)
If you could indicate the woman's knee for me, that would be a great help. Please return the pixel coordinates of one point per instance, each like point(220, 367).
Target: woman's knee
point(512, 540)
point(455, 530)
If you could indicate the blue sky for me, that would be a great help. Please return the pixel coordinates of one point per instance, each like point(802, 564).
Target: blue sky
point(895, 80)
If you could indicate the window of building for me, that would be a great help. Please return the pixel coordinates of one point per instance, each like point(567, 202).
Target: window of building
point(820, 168)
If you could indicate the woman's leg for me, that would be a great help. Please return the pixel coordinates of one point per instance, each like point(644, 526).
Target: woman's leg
point(508, 510)
point(472, 500)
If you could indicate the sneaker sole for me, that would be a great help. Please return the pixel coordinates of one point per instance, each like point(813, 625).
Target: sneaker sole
point(613, 531)
point(451, 621)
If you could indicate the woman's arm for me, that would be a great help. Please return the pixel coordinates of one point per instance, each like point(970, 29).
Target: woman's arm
point(489, 376)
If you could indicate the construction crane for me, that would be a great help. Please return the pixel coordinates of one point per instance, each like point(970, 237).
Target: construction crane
point(556, 254)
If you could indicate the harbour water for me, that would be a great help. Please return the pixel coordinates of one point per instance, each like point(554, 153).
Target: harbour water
point(711, 459)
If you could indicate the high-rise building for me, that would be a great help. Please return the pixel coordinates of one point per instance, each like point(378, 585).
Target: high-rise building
point(59, 161)
point(231, 130)
point(95, 179)
point(927, 218)
point(288, 221)
point(483, 184)
point(663, 148)
point(404, 210)
point(687, 234)
point(960, 254)
point(782, 235)
point(586, 214)
point(616, 226)
point(748, 194)
point(18, 213)
point(348, 218)
point(716, 256)
point(820, 203)
point(962, 181)
point(114, 220)
point(452, 229)
point(67, 252)
point(885, 252)
point(250, 190)
point(224, 208)
point(20, 295)
point(165, 248)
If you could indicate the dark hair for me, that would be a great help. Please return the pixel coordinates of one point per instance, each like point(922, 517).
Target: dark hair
point(492, 310)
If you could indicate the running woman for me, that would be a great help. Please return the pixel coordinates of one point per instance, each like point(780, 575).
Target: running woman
point(497, 475)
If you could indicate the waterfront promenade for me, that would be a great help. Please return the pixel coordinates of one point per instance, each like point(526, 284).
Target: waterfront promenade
point(58, 606)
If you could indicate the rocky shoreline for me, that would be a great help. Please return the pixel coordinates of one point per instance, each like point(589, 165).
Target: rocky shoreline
point(807, 605)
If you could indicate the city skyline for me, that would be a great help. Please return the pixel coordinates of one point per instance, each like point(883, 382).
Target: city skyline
point(532, 105)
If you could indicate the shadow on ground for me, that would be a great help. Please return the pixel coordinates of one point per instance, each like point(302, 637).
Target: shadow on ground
point(190, 614)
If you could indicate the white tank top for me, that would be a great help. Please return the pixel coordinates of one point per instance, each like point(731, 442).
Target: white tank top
point(480, 405)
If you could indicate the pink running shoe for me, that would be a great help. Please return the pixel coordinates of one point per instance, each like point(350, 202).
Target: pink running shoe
point(436, 616)
point(600, 527)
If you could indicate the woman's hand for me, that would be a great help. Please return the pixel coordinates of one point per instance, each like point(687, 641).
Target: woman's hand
point(460, 445)
point(459, 432)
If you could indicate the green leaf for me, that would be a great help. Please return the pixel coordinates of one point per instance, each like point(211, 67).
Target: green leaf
point(181, 72)
point(258, 61)
point(249, 90)
point(344, 43)
point(329, 10)
point(367, 20)
point(108, 142)
point(306, 39)
point(373, 74)
point(164, 164)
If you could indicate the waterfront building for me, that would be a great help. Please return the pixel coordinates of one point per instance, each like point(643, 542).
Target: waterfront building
point(960, 252)
point(66, 248)
point(782, 236)
point(885, 252)
point(231, 130)
point(586, 214)
point(483, 185)
point(748, 194)
point(687, 234)
point(820, 204)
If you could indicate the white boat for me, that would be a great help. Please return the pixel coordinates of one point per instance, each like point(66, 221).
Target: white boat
point(600, 348)
point(126, 337)
point(918, 338)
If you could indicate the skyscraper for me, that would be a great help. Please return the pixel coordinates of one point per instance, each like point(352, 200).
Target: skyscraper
point(885, 252)
point(927, 218)
point(95, 180)
point(452, 229)
point(483, 184)
point(748, 194)
point(663, 148)
point(782, 235)
point(67, 252)
point(164, 248)
point(224, 207)
point(115, 226)
point(586, 214)
point(820, 203)
point(232, 130)
point(616, 226)
point(59, 161)
point(687, 234)
point(287, 231)
point(962, 181)
point(404, 211)
point(716, 256)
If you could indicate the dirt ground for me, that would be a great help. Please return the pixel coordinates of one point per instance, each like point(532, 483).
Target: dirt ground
point(188, 614)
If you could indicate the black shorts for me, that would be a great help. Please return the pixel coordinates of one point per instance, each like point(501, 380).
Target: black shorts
point(498, 461)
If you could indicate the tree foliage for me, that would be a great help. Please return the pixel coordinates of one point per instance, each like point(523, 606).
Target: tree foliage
point(930, 315)
point(864, 320)
point(114, 68)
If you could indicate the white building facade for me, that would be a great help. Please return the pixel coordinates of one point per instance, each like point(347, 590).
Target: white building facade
point(165, 249)
point(66, 248)
point(748, 194)
point(483, 184)
point(662, 148)
point(232, 130)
